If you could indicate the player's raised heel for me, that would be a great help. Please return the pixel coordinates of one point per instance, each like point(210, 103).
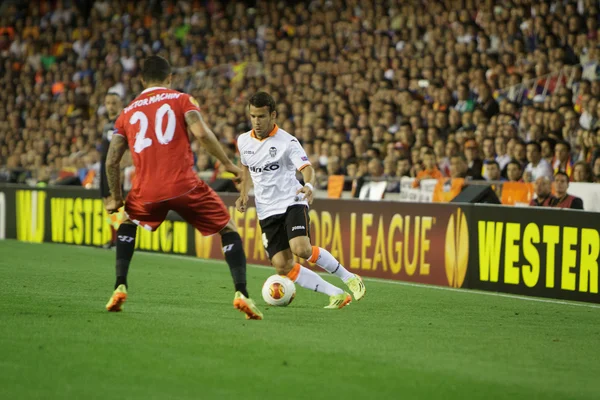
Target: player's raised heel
point(339, 301)
point(115, 304)
point(247, 306)
point(357, 286)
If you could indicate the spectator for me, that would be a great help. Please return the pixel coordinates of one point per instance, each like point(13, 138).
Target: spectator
point(565, 200)
point(458, 167)
point(464, 102)
point(486, 102)
point(502, 156)
point(543, 191)
point(403, 167)
point(562, 158)
point(489, 153)
point(492, 171)
point(430, 169)
point(520, 152)
point(537, 166)
point(334, 167)
point(548, 149)
point(582, 172)
point(372, 95)
point(596, 170)
point(375, 168)
point(474, 163)
point(514, 171)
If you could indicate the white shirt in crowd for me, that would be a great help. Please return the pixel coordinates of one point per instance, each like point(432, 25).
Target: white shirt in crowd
point(542, 169)
point(273, 163)
point(503, 161)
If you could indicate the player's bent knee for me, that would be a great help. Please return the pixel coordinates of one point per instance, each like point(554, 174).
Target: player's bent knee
point(230, 227)
point(283, 268)
point(283, 262)
point(301, 248)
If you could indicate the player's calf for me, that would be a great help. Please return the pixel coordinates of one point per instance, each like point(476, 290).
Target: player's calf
point(317, 255)
point(329, 263)
point(302, 248)
point(125, 248)
point(233, 251)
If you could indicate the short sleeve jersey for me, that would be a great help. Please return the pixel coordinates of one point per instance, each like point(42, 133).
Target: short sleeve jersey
point(155, 129)
point(273, 163)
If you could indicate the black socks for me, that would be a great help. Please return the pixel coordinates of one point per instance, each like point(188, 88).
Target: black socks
point(125, 248)
point(233, 250)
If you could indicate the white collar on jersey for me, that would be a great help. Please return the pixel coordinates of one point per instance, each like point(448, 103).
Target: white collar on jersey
point(153, 88)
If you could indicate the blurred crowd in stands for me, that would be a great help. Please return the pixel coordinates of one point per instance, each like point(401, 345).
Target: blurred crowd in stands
point(496, 90)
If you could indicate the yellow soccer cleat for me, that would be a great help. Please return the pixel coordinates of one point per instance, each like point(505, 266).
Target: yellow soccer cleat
point(339, 301)
point(115, 304)
point(356, 285)
point(246, 306)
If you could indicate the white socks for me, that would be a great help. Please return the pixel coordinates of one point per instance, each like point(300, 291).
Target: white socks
point(310, 280)
point(325, 260)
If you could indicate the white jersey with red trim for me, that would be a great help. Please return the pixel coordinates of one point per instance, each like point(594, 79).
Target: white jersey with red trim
point(273, 163)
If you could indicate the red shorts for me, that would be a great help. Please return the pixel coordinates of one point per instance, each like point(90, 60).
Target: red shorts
point(201, 207)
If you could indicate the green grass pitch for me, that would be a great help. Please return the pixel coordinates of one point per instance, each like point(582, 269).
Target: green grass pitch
point(180, 338)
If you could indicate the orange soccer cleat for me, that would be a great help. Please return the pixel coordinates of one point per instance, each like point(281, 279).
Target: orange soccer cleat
point(116, 301)
point(246, 306)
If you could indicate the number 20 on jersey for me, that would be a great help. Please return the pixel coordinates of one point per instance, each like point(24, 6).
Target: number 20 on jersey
point(164, 137)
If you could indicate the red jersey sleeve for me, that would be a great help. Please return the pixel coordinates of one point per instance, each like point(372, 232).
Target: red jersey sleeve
point(120, 126)
point(188, 103)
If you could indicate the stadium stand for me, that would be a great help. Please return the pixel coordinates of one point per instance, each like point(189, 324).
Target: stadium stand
point(515, 83)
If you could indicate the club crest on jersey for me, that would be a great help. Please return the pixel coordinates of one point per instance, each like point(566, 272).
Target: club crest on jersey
point(273, 151)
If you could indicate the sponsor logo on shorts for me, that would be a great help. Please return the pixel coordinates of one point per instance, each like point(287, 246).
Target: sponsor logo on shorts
point(297, 227)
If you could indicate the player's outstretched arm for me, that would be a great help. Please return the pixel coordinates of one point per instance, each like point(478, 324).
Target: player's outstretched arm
point(117, 148)
point(207, 138)
point(242, 201)
point(308, 174)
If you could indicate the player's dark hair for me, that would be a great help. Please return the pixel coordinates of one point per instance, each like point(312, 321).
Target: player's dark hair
point(262, 99)
point(155, 69)
point(562, 173)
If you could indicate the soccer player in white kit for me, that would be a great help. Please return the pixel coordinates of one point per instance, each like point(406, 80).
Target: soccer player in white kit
point(270, 158)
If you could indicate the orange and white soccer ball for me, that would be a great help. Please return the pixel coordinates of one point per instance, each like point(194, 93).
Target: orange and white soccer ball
point(278, 290)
